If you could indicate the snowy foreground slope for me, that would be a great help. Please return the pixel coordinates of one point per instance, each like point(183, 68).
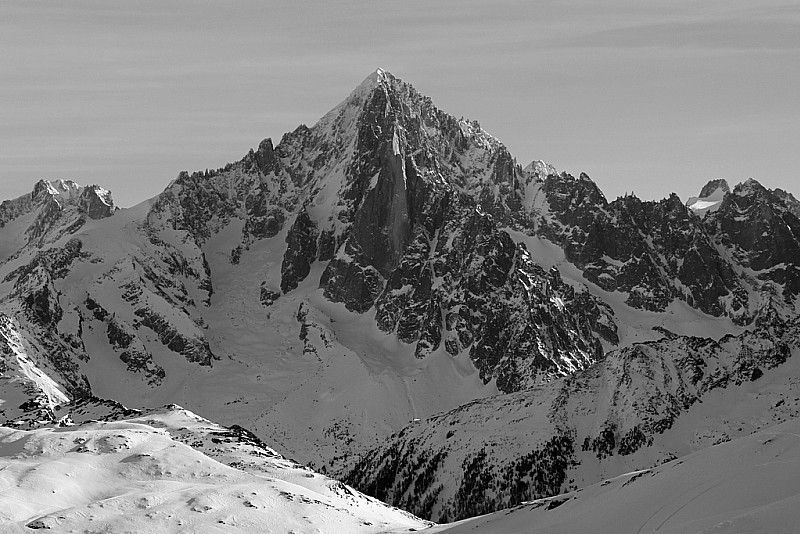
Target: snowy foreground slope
point(639, 407)
point(751, 484)
point(169, 470)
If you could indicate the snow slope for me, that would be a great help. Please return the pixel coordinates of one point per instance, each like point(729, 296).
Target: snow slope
point(751, 484)
point(169, 470)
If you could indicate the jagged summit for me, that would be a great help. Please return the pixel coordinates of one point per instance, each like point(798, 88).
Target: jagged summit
point(748, 187)
point(66, 192)
point(57, 187)
point(715, 191)
point(715, 188)
point(791, 203)
point(47, 212)
point(711, 195)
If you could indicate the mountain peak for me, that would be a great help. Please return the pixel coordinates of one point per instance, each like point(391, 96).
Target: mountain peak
point(715, 188)
point(361, 94)
point(56, 188)
point(378, 75)
point(94, 200)
point(711, 196)
point(539, 169)
point(749, 186)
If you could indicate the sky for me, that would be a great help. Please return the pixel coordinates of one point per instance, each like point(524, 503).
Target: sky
point(645, 97)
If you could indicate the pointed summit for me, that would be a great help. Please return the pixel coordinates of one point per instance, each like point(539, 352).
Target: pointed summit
point(377, 76)
point(347, 112)
point(539, 170)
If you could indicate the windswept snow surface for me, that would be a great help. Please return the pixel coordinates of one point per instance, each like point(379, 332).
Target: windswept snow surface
point(171, 471)
point(751, 484)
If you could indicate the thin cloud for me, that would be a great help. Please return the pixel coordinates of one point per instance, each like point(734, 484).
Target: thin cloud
point(728, 35)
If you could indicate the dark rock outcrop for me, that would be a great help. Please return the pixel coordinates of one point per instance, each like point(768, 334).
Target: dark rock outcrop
point(96, 202)
point(659, 252)
point(301, 252)
point(193, 349)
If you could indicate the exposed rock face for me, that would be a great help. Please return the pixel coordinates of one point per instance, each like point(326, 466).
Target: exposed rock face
point(268, 296)
point(351, 280)
point(122, 338)
point(301, 251)
point(659, 252)
point(45, 250)
point(35, 303)
point(96, 202)
point(474, 289)
point(653, 251)
point(760, 231)
point(193, 349)
point(788, 200)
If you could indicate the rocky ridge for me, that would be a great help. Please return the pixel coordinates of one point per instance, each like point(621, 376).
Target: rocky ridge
point(660, 252)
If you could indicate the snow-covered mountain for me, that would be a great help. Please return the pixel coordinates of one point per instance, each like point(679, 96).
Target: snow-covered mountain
point(51, 210)
point(358, 262)
point(333, 293)
point(630, 411)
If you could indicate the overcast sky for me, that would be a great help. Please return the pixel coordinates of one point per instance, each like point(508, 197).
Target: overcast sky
point(643, 96)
